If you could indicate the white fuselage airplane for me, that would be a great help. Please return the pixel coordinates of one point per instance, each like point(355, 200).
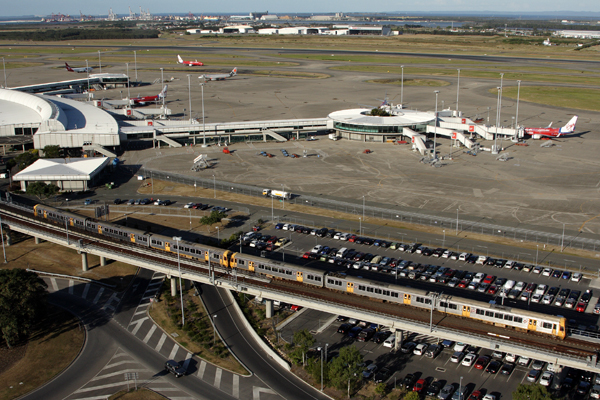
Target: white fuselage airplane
point(82, 69)
point(538, 133)
point(142, 100)
point(218, 77)
point(189, 63)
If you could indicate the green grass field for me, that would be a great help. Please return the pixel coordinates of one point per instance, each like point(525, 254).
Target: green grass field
point(577, 98)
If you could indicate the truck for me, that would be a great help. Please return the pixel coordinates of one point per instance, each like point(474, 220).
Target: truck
point(278, 194)
point(333, 136)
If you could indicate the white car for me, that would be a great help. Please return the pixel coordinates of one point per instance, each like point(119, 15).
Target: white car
point(510, 357)
point(464, 256)
point(546, 379)
point(286, 227)
point(547, 299)
point(547, 271)
point(337, 235)
point(316, 249)
point(509, 264)
point(541, 290)
point(536, 298)
point(446, 254)
point(481, 260)
point(595, 393)
point(520, 286)
point(489, 397)
point(460, 346)
point(576, 277)
point(420, 349)
point(389, 342)
point(469, 359)
point(345, 236)
point(524, 361)
point(478, 277)
point(457, 356)
point(189, 205)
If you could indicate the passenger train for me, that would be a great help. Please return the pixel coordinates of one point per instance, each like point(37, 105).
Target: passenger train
point(497, 315)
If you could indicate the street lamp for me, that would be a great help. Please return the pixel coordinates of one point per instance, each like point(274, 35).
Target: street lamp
point(517, 114)
point(214, 187)
point(99, 61)
point(537, 250)
point(460, 388)
point(402, 87)
point(202, 83)
point(177, 239)
point(444, 240)
point(562, 243)
point(135, 64)
point(363, 208)
point(433, 297)
point(359, 226)
point(218, 234)
point(282, 198)
point(128, 94)
point(457, 222)
point(4, 68)
point(497, 122)
point(162, 80)
point(190, 97)
point(457, 90)
point(87, 69)
point(437, 92)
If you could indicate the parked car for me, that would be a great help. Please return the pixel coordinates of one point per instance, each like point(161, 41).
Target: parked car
point(469, 359)
point(446, 392)
point(409, 381)
point(482, 362)
point(546, 378)
point(382, 375)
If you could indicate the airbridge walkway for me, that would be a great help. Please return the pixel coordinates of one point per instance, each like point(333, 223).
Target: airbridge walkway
point(221, 277)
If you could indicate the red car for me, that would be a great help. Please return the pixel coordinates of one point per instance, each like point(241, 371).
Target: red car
point(464, 283)
point(581, 306)
point(352, 238)
point(492, 289)
point(295, 308)
point(272, 240)
point(489, 279)
point(482, 362)
point(306, 255)
point(476, 395)
point(419, 385)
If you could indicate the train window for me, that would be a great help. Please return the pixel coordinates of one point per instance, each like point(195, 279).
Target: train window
point(242, 262)
point(288, 272)
point(508, 317)
point(547, 325)
point(419, 299)
point(428, 301)
point(377, 291)
point(370, 289)
point(386, 292)
point(330, 282)
point(518, 320)
point(395, 294)
point(443, 304)
point(452, 306)
point(489, 314)
point(498, 315)
point(479, 312)
point(361, 288)
point(317, 278)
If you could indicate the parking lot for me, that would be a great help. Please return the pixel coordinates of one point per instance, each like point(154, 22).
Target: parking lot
point(300, 245)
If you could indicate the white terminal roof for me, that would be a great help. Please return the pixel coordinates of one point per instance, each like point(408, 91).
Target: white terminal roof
point(400, 117)
point(12, 113)
point(62, 169)
point(83, 117)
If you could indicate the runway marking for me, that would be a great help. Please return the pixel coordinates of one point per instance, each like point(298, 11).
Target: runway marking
point(139, 323)
point(54, 284)
point(477, 193)
point(149, 334)
point(201, 369)
point(424, 204)
point(98, 295)
point(161, 342)
point(174, 352)
point(585, 222)
point(451, 206)
point(236, 386)
point(186, 363)
point(218, 375)
point(256, 391)
point(85, 290)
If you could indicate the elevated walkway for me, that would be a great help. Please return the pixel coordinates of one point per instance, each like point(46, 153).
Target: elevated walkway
point(274, 135)
point(461, 137)
point(100, 149)
point(417, 139)
point(168, 140)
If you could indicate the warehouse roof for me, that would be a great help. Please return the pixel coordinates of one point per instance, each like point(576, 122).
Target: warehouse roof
point(62, 169)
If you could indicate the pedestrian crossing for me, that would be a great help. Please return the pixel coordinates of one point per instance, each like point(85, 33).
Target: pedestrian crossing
point(111, 378)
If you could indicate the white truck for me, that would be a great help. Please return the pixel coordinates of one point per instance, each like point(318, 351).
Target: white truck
point(278, 194)
point(333, 136)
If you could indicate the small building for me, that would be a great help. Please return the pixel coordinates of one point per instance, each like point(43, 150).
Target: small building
point(238, 29)
point(69, 174)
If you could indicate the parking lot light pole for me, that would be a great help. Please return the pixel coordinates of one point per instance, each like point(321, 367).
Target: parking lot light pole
point(321, 369)
point(457, 90)
point(177, 239)
point(517, 114)
point(444, 239)
point(537, 250)
point(99, 61)
point(214, 187)
point(460, 388)
point(402, 87)
point(437, 92)
point(359, 226)
point(457, 222)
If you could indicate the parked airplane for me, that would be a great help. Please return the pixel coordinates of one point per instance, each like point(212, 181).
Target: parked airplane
point(189, 63)
point(538, 133)
point(82, 69)
point(143, 100)
point(219, 77)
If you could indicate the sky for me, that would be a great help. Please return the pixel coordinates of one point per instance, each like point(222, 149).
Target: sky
point(44, 7)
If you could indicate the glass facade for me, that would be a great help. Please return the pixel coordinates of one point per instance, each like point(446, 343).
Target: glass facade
point(368, 128)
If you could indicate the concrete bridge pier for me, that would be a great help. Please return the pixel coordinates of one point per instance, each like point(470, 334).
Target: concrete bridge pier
point(37, 240)
point(269, 308)
point(399, 336)
point(173, 286)
point(8, 235)
point(84, 261)
point(102, 261)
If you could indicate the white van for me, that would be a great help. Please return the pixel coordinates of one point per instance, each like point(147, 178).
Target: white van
point(509, 285)
point(342, 252)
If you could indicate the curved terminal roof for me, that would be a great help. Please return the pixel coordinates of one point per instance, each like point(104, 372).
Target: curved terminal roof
point(399, 117)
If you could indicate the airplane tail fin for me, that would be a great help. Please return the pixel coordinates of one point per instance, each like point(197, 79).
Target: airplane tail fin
point(549, 125)
point(179, 59)
point(234, 72)
point(569, 127)
point(163, 92)
point(68, 68)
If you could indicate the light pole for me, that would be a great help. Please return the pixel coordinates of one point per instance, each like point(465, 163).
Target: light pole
point(537, 250)
point(272, 213)
point(457, 222)
point(517, 114)
point(162, 80)
point(202, 83)
point(87, 69)
point(500, 102)
point(177, 239)
point(99, 61)
point(135, 64)
point(497, 122)
point(460, 388)
point(562, 243)
point(432, 296)
point(190, 97)
point(214, 187)
point(4, 68)
point(444, 239)
point(437, 92)
point(359, 226)
point(363, 218)
point(282, 198)
point(457, 90)
point(128, 94)
point(218, 234)
point(214, 330)
point(67, 229)
point(321, 369)
point(402, 87)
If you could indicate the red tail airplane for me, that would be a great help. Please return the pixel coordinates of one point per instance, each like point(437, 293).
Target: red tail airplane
point(149, 99)
point(82, 69)
point(538, 133)
point(189, 63)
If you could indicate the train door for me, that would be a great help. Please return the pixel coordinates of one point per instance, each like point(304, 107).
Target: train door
point(561, 328)
point(99, 229)
point(466, 311)
point(225, 259)
point(532, 325)
point(251, 266)
point(406, 298)
point(233, 261)
point(167, 246)
point(299, 276)
point(132, 237)
point(350, 287)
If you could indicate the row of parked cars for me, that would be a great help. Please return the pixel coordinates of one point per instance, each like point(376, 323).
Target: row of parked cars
point(262, 241)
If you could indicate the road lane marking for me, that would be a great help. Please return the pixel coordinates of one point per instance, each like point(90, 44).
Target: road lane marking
point(161, 342)
point(218, 375)
point(98, 295)
point(236, 386)
point(71, 283)
point(85, 291)
point(174, 352)
point(201, 369)
point(139, 323)
point(149, 334)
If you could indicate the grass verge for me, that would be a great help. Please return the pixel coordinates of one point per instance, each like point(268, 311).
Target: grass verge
point(52, 347)
point(198, 335)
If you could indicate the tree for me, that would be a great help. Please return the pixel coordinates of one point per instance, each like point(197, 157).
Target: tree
point(346, 368)
point(303, 341)
point(42, 190)
point(531, 392)
point(24, 160)
point(52, 151)
point(412, 396)
point(22, 299)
